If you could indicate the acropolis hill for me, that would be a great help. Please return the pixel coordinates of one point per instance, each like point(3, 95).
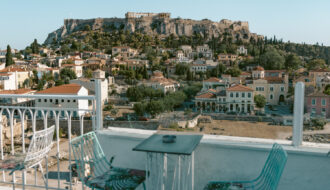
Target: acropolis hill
point(158, 23)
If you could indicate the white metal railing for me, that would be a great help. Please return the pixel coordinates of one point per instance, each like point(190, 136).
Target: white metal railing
point(18, 119)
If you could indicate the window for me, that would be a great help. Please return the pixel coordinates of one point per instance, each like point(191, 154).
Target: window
point(237, 94)
point(62, 100)
point(231, 94)
point(313, 102)
point(260, 88)
point(39, 100)
point(51, 100)
point(249, 94)
point(271, 96)
point(282, 88)
point(224, 99)
point(323, 111)
point(56, 101)
point(323, 102)
point(313, 111)
point(74, 100)
point(271, 89)
point(45, 100)
point(68, 101)
point(243, 94)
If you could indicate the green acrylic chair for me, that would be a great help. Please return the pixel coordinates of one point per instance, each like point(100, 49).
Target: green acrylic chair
point(268, 178)
point(96, 172)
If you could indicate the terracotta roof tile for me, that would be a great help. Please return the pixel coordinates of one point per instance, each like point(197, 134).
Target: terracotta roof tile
point(258, 68)
point(206, 95)
point(63, 89)
point(213, 79)
point(239, 88)
point(18, 91)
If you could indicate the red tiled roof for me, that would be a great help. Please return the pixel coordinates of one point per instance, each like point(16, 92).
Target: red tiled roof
point(12, 69)
point(258, 68)
point(206, 95)
point(213, 79)
point(63, 89)
point(239, 88)
point(5, 74)
point(18, 91)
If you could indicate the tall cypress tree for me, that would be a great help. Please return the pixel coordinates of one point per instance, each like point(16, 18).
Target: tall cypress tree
point(9, 57)
point(35, 47)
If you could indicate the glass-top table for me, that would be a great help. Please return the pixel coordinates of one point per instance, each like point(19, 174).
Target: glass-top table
point(171, 165)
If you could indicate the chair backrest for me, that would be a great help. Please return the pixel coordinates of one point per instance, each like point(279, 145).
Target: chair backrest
point(41, 144)
point(273, 169)
point(89, 156)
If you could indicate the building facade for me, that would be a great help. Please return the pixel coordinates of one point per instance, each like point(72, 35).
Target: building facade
point(67, 89)
point(317, 104)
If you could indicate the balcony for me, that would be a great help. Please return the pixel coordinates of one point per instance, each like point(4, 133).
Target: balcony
point(217, 157)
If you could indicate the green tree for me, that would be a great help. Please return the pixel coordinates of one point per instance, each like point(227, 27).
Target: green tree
point(88, 73)
point(9, 57)
point(140, 108)
point(67, 74)
point(234, 71)
point(181, 68)
point(272, 59)
point(192, 90)
point(155, 107)
point(87, 27)
point(316, 64)
point(292, 62)
point(327, 89)
point(260, 101)
point(35, 47)
point(64, 49)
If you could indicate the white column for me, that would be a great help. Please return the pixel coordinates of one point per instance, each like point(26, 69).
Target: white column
point(298, 114)
point(99, 119)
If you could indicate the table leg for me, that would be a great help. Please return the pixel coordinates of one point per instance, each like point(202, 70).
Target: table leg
point(192, 170)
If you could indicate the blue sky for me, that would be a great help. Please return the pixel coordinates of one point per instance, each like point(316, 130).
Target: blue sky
point(294, 20)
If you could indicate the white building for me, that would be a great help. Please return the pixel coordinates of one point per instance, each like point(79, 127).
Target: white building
point(63, 90)
point(158, 81)
point(7, 81)
point(89, 84)
point(198, 68)
point(241, 50)
point(204, 51)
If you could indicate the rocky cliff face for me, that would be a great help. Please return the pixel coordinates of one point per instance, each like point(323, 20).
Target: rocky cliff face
point(163, 26)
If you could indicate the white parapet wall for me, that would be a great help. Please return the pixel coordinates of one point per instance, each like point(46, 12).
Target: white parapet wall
point(230, 158)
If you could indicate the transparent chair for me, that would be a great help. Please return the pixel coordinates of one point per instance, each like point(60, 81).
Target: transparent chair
point(41, 144)
point(96, 172)
point(268, 178)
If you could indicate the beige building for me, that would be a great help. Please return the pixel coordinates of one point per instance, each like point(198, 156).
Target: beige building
point(124, 51)
point(20, 74)
point(240, 99)
point(272, 84)
point(158, 81)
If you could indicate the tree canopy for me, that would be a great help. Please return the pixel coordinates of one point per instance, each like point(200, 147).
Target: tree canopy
point(9, 57)
point(260, 101)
